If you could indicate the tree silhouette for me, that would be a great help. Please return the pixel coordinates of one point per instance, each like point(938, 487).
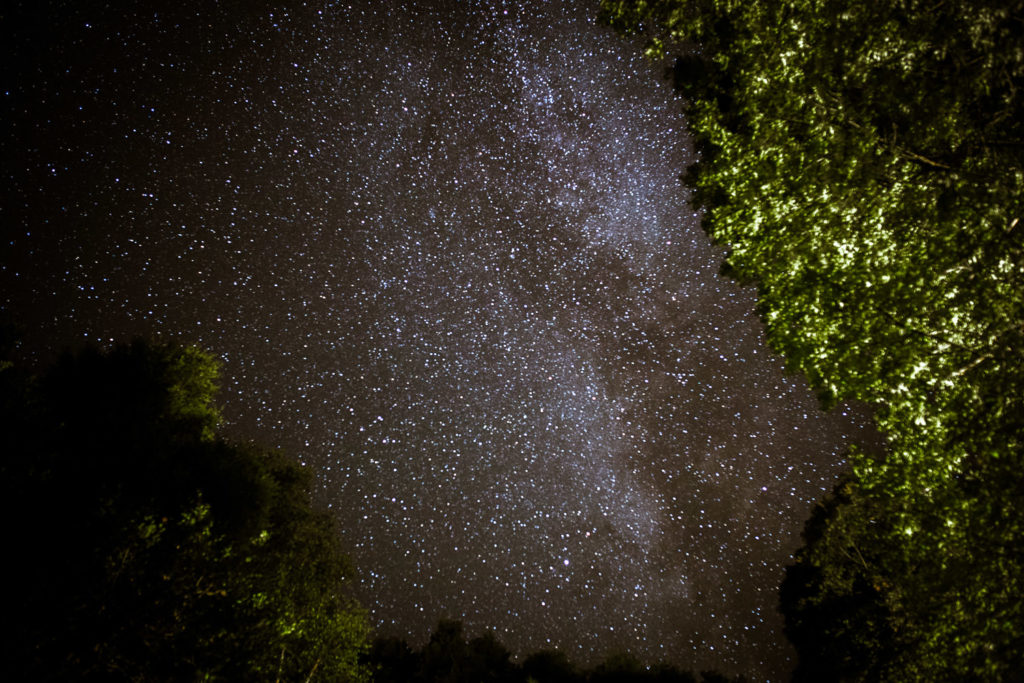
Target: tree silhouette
point(393, 661)
point(551, 666)
point(448, 658)
point(148, 548)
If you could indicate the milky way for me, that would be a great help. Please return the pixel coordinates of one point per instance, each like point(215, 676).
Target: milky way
point(444, 255)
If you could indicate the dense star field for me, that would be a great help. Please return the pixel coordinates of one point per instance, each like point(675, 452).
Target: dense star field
point(443, 252)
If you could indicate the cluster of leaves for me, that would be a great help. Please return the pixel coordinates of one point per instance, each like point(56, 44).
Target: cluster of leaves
point(864, 163)
point(143, 547)
point(449, 658)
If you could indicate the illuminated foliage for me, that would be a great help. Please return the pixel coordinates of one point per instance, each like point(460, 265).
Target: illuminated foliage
point(864, 163)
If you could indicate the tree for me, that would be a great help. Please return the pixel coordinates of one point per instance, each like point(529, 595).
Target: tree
point(488, 660)
point(150, 549)
point(837, 614)
point(551, 666)
point(865, 167)
point(619, 666)
point(392, 661)
point(444, 655)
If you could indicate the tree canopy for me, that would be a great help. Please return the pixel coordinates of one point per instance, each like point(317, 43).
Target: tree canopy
point(145, 547)
point(864, 165)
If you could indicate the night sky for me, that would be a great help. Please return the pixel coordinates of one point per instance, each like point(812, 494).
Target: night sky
point(444, 254)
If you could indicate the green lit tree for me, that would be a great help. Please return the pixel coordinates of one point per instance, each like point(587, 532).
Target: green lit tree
point(148, 548)
point(864, 164)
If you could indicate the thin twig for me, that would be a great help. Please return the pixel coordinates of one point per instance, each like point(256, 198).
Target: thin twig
point(313, 670)
point(972, 364)
point(924, 160)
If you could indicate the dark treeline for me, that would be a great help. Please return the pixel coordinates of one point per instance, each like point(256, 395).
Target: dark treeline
point(863, 162)
point(449, 658)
